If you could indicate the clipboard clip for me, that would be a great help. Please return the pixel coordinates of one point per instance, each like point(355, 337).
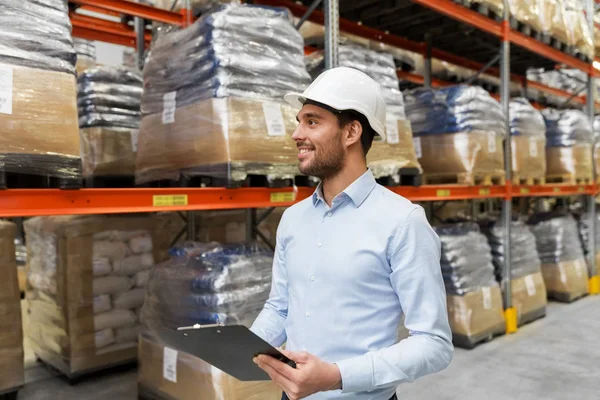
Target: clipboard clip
point(199, 326)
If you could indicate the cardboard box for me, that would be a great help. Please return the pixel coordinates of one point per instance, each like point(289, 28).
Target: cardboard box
point(108, 152)
point(65, 256)
point(528, 157)
point(43, 115)
point(12, 375)
point(570, 162)
point(191, 377)
point(529, 297)
point(224, 137)
point(567, 280)
point(477, 315)
point(462, 154)
point(386, 158)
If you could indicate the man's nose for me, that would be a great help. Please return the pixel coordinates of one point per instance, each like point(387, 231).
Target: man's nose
point(298, 135)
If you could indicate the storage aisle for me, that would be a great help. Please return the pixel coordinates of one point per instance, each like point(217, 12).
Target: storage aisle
point(554, 358)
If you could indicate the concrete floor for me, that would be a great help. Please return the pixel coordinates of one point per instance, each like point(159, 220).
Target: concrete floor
point(555, 358)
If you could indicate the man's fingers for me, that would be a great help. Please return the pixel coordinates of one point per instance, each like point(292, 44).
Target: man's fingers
point(281, 380)
point(297, 356)
point(277, 365)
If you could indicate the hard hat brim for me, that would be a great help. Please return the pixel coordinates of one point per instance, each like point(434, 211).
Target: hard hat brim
point(295, 99)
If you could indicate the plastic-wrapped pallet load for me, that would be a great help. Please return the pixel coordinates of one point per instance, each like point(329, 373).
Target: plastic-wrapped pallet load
point(596, 128)
point(578, 32)
point(202, 283)
point(212, 98)
point(86, 54)
point(475, 307)
point(12, 375)
point(569, 140)
point(459, 132)
point(563, 264)
point(38, 112)
point(385, 159)
point(528, 290)
point(86, 286)
point(528, 141)
point(109, 118)
point(583, 222)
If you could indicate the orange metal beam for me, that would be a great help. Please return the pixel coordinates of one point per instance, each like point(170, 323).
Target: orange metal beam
point(553, 190)
point(100, 10)
point(135, 10)
point(92, 28)
point(93, 34)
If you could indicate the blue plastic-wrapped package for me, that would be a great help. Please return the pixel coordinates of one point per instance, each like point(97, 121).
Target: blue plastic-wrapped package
point(525, 120)
point(207, 283)
point(453, 109)
point(567, 128)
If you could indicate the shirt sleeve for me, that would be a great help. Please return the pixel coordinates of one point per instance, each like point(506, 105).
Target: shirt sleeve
point(270, 323)
point(417, 280)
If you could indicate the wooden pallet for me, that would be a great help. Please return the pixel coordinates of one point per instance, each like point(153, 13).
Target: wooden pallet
point(463, 179)
point(470, 342)
point(529, 181)
point(403, 177)
point(570, 179)
point(564, 297)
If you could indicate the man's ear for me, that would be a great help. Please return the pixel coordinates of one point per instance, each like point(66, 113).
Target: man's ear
point(353, 132)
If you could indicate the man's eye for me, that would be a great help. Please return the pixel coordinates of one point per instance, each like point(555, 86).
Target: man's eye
point(312, 122)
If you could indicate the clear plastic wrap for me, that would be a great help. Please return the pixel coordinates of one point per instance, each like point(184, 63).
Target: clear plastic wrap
point(37, 34)
point(559, 246)
point(226, 53)
point(596, 155)
point(578, 31)
point(525, 120)
point(528, 141)
point(385, 159)
point(583, 221)
point(12, 375)
point(38, 122)
point(566, 128)
point(82, 297)
point(208, 283)
point(84, 48)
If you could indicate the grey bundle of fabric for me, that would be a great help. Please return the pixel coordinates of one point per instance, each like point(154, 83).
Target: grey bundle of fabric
point(525, 120)
point(567, 128)
point(584, 232)
point(523, 254)
point(208, 283)
point(37, 34)
point(234, 50)
point(85, 48)
point(466, 258)
point(109, 97)
point(557, 237)
point(378, 65)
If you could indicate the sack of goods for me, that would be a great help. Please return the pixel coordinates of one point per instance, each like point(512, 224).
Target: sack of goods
point(38, 111)
point(569, 140)
point(213, 93)
point(12, 374)
point(86, 287)
point(109, 119)
point(583, 221)
point(528, 143)
point(202, 283)
point(563, 264)
point(527, 286)
point(460, 130)
point(475, 308)
point(86, 54)
point(385, 159)
point(596, 129)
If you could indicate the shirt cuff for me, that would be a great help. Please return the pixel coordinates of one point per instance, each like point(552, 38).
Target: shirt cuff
point(357, 374)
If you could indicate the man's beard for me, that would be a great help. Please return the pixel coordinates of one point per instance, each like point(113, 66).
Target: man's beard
point(329, 163)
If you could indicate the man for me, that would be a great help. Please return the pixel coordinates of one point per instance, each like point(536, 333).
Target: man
point(350, 260)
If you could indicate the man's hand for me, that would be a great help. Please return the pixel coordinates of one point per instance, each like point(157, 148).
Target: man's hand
point(310, 376)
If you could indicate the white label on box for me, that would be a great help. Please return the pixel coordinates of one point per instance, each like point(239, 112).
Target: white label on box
point(491, 143)
point(135, 133)
point(391, 130)
point(487, 298)
point(170, 364)
point(6, 89)
point(169, 105)
point(533, 147)
point(274, 119)
point(530, 285)
point(417, 146)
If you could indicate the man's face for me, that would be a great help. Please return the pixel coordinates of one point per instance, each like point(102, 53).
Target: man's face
point(321, 151)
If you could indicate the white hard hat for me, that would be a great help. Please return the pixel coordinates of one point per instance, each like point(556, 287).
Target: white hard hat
point(343, 89)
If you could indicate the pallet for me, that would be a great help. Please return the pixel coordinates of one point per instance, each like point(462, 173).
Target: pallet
point(463, 179)
point(532, 316)
point(49, 171)
point(569, 179)
point(470, 343)
point(518, 180)
point(10, 394)
point(404, 177)
point(564, 297)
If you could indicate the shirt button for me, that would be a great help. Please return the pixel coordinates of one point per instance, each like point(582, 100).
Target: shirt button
point(319, 244)
point(312, 278)
point(329, 214)
point(307, 314)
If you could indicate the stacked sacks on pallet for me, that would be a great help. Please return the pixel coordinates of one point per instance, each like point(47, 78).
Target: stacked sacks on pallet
point(569, 140)
point(528, 291)
point(202, 283)
point(86, 54)
point(86, 287)
point(38, 113)
point(528, 141)
point(583, 222)
point(563, 264)
point(396, 157)
point(109, 118)
point(596, 129)
point(459, 132)
point(475, 307)
point(212, 98)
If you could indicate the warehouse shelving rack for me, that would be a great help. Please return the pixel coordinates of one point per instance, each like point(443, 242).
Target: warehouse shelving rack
point(31, 202)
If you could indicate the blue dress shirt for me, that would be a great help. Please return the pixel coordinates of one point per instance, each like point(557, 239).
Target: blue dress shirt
point(343, 276)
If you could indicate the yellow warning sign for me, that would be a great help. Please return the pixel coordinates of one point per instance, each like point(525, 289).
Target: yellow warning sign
point(170, 200)
point(442, 193)
point(282, 197)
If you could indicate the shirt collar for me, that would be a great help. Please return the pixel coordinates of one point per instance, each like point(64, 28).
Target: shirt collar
point(357, 191)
